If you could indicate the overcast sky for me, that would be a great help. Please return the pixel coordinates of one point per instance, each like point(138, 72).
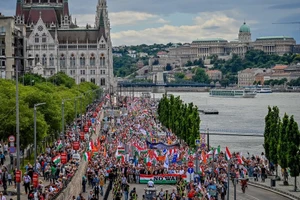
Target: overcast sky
point(163, 21)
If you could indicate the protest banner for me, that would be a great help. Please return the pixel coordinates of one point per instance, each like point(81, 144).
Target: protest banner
point(161, 178)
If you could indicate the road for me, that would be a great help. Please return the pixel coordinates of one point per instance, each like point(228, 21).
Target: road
point(252, 193)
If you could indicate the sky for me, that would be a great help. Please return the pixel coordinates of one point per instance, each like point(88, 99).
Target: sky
point(161, 21)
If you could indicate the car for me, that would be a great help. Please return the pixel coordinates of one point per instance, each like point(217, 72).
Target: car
point(150, 193)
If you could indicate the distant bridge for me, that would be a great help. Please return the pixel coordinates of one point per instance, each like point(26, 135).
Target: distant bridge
point(225, 132)
point(129, 84)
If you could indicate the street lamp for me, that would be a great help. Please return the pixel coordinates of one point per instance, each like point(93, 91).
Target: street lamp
point(18, 124)
point(76, 115)
point(35, 150)
point(63, 121)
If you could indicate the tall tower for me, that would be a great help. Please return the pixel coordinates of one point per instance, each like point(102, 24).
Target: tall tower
point(245, 33)
point(102, 23)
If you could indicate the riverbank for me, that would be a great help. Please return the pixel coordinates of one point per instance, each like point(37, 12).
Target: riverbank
point(190, 89)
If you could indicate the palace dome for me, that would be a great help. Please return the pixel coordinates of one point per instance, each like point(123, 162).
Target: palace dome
point(244, 28)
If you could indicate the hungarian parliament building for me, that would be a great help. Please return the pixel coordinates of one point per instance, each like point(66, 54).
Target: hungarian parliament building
point(56, 44)
point(217, 46)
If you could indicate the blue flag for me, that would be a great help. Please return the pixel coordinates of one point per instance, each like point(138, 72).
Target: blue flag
point(174, 160)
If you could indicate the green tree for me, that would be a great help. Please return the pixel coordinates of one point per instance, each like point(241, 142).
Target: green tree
point(62, 79)
point(179, 75)
point(274, 130)
point(283, 144)
point(200, 76)
point(293, 149)
point(182, 119)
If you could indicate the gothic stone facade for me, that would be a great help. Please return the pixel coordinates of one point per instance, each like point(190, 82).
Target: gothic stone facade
point(58, 44)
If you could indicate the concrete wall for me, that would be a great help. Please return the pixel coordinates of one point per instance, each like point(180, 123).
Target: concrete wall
point(75, 186)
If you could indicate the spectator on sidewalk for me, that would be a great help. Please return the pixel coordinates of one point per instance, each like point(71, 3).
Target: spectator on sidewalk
point(2, 158)
point(5, 147)
point(26, 180)
point(2, 197)
point(9, 178)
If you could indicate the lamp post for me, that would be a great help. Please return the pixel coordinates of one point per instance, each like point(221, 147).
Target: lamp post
point(17, 118)
point(63, 121)
point(35, 150)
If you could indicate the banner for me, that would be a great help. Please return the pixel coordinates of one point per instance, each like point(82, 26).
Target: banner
point(161, 145)
point(161, 178)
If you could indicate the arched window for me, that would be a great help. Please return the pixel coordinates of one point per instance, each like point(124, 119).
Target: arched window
point(62, 61)
point(92, 60)
point(102, 60)
point(102, 81)
point(36, 38)
point(44, 38)
point(93, 80)
point(30, 60)
point(82, 60)
point(37, 59)
point(72, 61)
point(82, 80)
point(44, 60)
point(51, 60)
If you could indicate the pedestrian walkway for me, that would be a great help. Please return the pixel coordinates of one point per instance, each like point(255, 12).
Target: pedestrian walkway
point(11, 189)
point(288, 191)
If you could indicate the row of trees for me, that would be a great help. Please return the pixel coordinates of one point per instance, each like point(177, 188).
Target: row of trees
point(182, 119)
point(282, 142)
point(51, 91)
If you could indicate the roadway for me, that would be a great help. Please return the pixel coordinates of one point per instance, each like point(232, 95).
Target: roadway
point(252, 193)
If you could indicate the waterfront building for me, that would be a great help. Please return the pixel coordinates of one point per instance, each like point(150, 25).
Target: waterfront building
point(279, 68)
point(58, 44)
point(214, 74)
point(203, 48)
point(247, 76)
point(11, 47)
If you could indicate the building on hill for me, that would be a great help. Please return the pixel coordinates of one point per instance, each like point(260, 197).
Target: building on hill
point(204, 48)
point(247, 76)
point(279, 68)
point(57, 44)
point(275, 44)
point(214, 74)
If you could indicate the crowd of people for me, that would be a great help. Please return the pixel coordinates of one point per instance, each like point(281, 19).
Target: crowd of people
point(124, 149)
point(120, 152)
point(53, 174)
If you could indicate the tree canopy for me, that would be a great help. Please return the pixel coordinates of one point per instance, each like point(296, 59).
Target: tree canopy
point(48, 115)
point(182, 119)
point(282, 141)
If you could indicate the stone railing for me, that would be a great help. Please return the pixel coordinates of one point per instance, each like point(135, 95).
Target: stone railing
point(75, 185)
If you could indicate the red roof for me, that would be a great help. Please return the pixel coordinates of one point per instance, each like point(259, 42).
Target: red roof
point(280, 67)
point(48, 15)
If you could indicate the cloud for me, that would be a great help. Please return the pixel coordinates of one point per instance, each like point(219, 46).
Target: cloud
point(225, 27)
point(129, 17)
point(162, 21)
point(122, 18)
point(286, 6)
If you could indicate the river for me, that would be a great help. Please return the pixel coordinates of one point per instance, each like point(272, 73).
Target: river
point(242, 116)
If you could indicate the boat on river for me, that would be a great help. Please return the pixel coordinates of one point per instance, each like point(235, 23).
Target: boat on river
point(235, 93)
